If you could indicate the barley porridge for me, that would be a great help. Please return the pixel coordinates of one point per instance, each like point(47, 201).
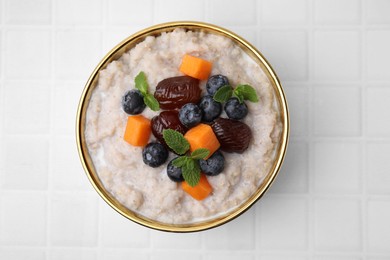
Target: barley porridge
point(148, 191)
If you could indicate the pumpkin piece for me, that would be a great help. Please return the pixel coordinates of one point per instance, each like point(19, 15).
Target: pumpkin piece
point(138, 130)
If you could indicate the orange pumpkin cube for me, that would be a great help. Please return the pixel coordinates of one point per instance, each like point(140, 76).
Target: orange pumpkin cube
point(201, 190)
point(195, 67)
point(202, 136)
point(138, 130)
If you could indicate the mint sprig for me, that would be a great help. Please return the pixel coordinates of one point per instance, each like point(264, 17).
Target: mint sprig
point(142, 85)
point(176, 141)
point(242, 92)
point(189, 164)
point(223, 94)
point(247, 92)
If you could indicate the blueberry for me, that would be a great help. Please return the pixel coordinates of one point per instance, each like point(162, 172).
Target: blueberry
point(215, 82)
point(190, 115)
point(213, 165)
point(236, 110)
point(174, 173)
point(154, 154)
point(133, 102)
point(211, 108)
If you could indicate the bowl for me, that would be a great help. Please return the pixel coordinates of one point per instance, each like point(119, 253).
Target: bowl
point(125, 46)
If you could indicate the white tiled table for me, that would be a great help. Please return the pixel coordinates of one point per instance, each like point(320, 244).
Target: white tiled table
point(331, 200)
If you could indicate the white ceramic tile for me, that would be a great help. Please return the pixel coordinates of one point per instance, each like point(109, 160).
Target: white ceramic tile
point(1, 54)
point(377, 109)
point(293, 177)
point(287, 52)
point(228, 256)
point(378, 11)
point(22, 254)
point(114, 35)
point(169, 10)
point(284, 12)
point(377, 257)
point(377, 54)
point(280, 256)
point(378, 167)
point(25, 163)
point(27, 54)
point(337, 224)
point(74, 12)
point(117, 231)
point(66, 100)
point(175, 255)
point(163, 240)
point(220, 239)
point(77, 53)
point(336, 55)
point(72, 254)
point(1, 13)
point(123, 12)
point(337, 11)
point(26, 107)
point(282, 223)
point(378, 228)
point(28, 12)
point(123, 254)
point(337, 167)
point(73, 219)
point(249, 34)
point(23, 219)
point(298, 106)
point(336, 257)
point(67, 172)
point(337, 111)
point(231, 12)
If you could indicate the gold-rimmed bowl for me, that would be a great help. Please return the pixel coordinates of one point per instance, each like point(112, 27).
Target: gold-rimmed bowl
point(115, 54)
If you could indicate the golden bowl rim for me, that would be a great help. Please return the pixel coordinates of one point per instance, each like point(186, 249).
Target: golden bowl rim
point(131, 41)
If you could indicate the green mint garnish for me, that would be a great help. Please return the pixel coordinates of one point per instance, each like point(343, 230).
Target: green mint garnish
point(176, 141)
point(223, 94)
point(191, 172)
point(180, 161)
point(151, 102)
point(188, 163)
point(142, 85)
point(242, 92)
point(200, 153)
point(246, 92)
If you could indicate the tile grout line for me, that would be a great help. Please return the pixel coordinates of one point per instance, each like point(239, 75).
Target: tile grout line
point(2, 92)
point(51, 129)
point(310, 145)
point(363, 104)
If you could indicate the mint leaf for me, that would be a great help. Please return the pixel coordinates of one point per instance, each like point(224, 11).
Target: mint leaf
point(151, 102)
point(191, 175)
point(200, 153)
point(223, 94)
point(247, 92)
point(176, 141)
point(180, 161)
point(239, 96)
point(140, 83)
point(190, 164)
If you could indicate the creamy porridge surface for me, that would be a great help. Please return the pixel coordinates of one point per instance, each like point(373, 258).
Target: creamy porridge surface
point(147, 190)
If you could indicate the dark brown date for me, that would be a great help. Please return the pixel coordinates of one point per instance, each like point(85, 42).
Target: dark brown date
point(166, 120)
point(173, 93)
point(234, 136)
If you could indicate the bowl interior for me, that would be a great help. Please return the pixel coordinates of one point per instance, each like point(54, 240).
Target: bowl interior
point(125, 46)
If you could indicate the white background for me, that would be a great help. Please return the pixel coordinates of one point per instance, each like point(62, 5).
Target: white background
point(331, 200)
